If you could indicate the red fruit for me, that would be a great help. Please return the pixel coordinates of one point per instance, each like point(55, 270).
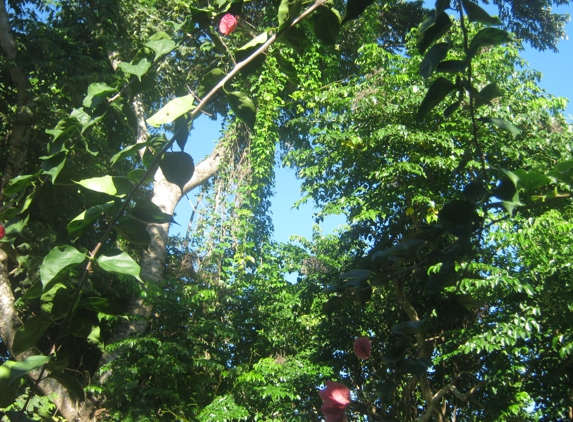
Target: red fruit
point(228, 24)
point(2, 231)
point(363, 347)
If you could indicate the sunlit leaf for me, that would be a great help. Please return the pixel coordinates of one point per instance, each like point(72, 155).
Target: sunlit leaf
point(87, 218)
point(139, 69)
point(172, 110)
point(110, 185)
point(97, 94)
point(59, 260)
point(120, 264)
point(21, 368)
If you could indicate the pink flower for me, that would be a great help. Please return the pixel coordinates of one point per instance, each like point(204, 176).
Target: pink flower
point(335, 399)
point(2, 231)
point(228, 24)
point(363, 347)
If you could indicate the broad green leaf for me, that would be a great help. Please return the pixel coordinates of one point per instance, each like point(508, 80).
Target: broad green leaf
point(126, 152)
point(451, 109)
point(488, 93)
point(87, 218)
point(120, 264)
point(136, 175)
point(477, 14)
point(334, 304)
point(355, 276)
point(487, 37)
point(172, 110)
point(64, 130)
point(148, 212)
point(177, 167)
point(248, 49)
point(181, 130)
point(138, 69)
point(209, 81)
point(52, 165)
point(439, 89)
point(133, 231)
point(354, 8)
point(70, 383)
point(28, 334)
point(86, 120)
point(295, 38)
point(97, 94)
point(47, 298)
point(58, 260)
point(414, 366)
point(18, 183)
point(21, 368)
point(327, 24)
point(102, 305)
point(409, 327)
point(502, 124)
point(15, 226)
point(531, 180)
point(434, 32)
point(161, 44)
point(452, 66)
point(287, 68)
point(432, 58)
point(288, 11)
point(9, 391)
point(243, 107)
point(110, 185)
point(407, 249)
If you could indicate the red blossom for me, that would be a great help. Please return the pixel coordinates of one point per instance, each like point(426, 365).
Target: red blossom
point(363, 347)
point(228, 24)
point(2, 231)
point(335, 399)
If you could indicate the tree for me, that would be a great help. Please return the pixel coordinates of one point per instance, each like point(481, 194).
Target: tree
point(114, 110)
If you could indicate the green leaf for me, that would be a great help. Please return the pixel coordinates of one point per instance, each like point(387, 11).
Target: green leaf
point(355, 277)
point(148, 212)
point(136, 175)
point(327, 24)
point(452, 66)
point(9, 391)
point(181, 130)
point(295, 38)
point(288, 11)
point(138, 69)
point(531, 180)
point(133, 231)
point(488, 93)
point(87, 218)
point(102, 305)
point(126, 152)
point(95, 338)
point(477, 14)
point(110, 185)
point(210, 80)
point(439, 89)
point(177, 167)
point(172, 110)
point(248, 49)
point(58, 260)
point(334, 304)
point(287, 68)
point(21, 368)
point(487, 37)
point(434, 32)
point(49, 297)
point(432, 58)
point(502, 124)
point(161, 44)
point(120, 264)
point(414, 366)
point(52, 165)
point(409, 327)
point(70, 383)
point(18, 183)
point(28, 334)
point(451, 109)
point(354, 8)
point(97, 94)
point(243, 107)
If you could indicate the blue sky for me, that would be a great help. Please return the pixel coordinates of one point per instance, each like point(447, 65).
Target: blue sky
point(557, 80)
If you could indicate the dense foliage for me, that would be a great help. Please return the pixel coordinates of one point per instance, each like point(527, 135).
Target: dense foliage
point(446, 298)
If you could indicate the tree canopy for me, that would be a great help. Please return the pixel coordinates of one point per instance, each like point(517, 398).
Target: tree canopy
point(446, 297)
